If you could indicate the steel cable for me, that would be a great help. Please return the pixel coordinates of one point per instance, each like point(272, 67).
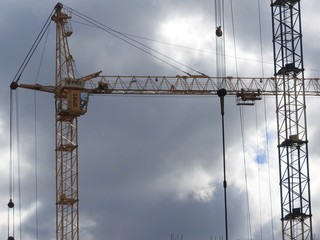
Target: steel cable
point(32, 49)
point(129, 40)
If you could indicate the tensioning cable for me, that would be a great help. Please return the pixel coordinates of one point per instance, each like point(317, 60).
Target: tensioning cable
point(32, 49)
point(133, 42)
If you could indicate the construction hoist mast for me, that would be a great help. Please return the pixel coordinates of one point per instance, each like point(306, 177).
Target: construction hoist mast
point(288, 85)
point(296, 214)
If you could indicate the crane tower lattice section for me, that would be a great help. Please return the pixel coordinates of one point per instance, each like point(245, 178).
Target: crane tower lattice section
point(67, 214)
point(291, 121)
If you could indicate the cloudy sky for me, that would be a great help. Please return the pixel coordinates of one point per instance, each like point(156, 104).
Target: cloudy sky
point(151, 166)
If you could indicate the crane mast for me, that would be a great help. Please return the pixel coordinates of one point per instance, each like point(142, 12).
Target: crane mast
point(66, 120)
point(296, 216)
point(69, 106)
point(288, 85)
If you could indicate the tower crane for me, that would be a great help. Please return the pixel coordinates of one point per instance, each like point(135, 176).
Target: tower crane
point(288, 85)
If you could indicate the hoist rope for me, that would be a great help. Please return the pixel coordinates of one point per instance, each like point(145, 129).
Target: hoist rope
point(266, 121)
point(36, 142)
point(234, 39)
point(35, 139)
point(259, 169)
point(221, 73)
point(260, 38)
point(131, 41)
point(14, 142)
point(220, 41)
point(14, 159)
point(19, 165)
point(268, 160)
point(11, 221)
point(249, 231)
point(243, 137)
point(36, 163)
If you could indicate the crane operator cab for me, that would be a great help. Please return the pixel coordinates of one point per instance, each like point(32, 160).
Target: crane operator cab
point(74, 104)
point(74, 101)
point(77, 102)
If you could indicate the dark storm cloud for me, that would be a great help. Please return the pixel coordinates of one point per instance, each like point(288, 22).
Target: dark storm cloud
point(157, 218)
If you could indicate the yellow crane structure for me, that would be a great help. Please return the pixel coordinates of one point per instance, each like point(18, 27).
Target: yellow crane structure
point(71, 101)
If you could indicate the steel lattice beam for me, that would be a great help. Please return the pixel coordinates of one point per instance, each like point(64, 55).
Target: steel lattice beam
point(67, 214)
point(290, 85)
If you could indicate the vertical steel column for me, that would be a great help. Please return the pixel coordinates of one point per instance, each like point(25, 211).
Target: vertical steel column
point(67, 213)
point(296, 214)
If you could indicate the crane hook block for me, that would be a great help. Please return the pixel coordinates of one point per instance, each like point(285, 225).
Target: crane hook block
point(10, 204)
point(219, 31)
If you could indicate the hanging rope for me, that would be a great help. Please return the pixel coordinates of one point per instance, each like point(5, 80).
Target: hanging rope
point(220, 42)
point(35, 139)
point(234, 39)
point(19, 165)
point(221, 73)
point(11, 214)
point(259, 171)
point(268, 160)
point(14, 158)
point(249, 231)
point(266, 152)
point(36, 163)
point(14, 139)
